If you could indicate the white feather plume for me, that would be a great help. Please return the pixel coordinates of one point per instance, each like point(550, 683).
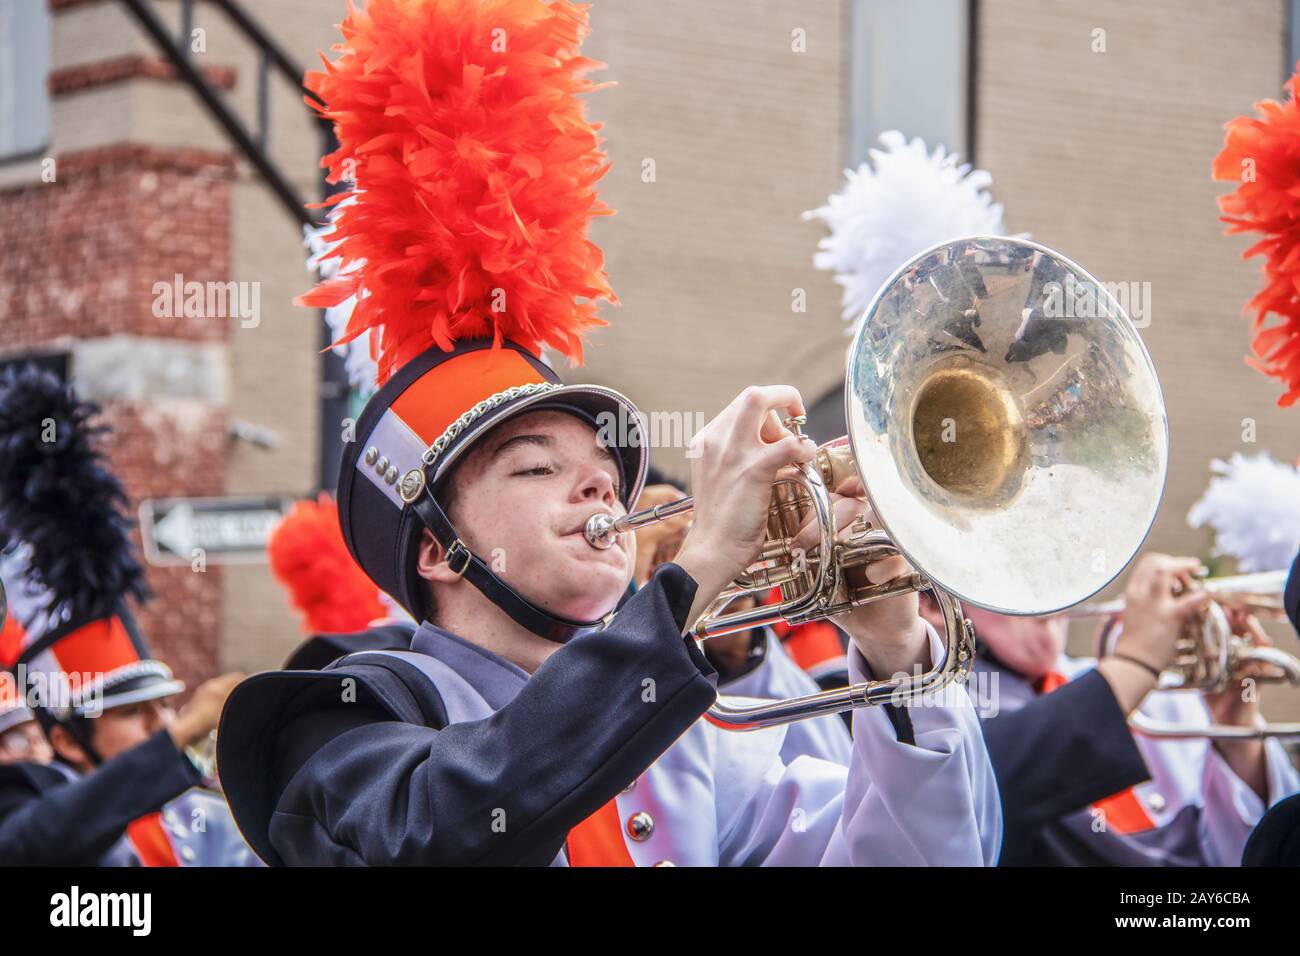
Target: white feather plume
point(360, 365)
point(27, 600)
point(1253, 505)
point(911, 200)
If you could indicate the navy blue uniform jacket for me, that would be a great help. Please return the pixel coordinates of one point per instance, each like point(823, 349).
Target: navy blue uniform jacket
point(1057, 754)
point(355, 764)
point(48, 820)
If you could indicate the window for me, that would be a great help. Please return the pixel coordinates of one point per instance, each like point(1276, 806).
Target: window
point(24, 71)
point(1292, 39)
point(909, 70)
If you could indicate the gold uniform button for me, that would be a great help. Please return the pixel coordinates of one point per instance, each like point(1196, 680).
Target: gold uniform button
point(640, 826)
point(665, 863)
point(1156, 801)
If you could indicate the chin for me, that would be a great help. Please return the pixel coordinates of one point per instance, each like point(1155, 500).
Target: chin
point(599, 597)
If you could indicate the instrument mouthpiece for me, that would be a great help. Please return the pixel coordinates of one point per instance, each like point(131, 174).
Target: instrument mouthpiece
point(599, 531)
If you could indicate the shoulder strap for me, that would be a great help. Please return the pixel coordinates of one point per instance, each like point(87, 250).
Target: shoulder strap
point(460, 701)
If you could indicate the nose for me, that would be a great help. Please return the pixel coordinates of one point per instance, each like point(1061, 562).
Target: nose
point(158, 715)
point(597, 486)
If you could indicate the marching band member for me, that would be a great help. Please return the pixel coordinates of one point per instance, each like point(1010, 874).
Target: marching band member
point(1078, 786)
point(774, 674)
point(21, 740)
point(120, 790)
point(515, 730)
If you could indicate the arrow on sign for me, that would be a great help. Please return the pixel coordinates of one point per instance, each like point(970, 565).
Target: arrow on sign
point(224, 529)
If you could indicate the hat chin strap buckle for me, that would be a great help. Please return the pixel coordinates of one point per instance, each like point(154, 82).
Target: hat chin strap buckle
point(455, 548)
point(523, 611)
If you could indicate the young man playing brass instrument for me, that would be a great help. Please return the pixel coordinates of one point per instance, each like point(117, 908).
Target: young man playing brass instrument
point(518, 729)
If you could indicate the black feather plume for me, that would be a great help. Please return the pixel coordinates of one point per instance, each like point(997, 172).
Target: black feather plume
point(58, 496)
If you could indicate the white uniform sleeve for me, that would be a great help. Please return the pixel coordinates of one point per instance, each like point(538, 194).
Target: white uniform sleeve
point(1232, 809)
point(778, 677)
point(932, 803)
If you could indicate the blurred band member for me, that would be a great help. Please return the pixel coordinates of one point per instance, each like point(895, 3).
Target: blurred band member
point(120, 790)
point(1078, 787)
point(21, 740)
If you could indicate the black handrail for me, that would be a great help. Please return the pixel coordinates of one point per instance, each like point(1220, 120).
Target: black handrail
point(253, 146)
point(287, 66)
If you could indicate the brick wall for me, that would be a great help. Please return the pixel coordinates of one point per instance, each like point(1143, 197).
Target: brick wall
point(162, 450)
point(81, 255)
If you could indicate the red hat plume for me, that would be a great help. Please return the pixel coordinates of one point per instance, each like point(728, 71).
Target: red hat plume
point(309, 558)
point(1262, 154)
point(472, 170)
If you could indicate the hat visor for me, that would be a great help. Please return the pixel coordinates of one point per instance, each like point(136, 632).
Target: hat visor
point(11, 717)
point(137, 693)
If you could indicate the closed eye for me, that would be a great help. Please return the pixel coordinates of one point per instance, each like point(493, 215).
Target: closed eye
point(535, 470)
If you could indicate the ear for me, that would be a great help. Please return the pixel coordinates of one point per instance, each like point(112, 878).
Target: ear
point(431, 562)
point(66, 748)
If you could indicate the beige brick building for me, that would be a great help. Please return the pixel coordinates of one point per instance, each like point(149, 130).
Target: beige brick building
point(729, 119)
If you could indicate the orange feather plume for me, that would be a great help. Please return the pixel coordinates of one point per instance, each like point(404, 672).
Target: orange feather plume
point(1263, 155)
point(309, 558)
point(473, 172)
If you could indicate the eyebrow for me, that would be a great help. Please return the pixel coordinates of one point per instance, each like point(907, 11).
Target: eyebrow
point(544, 441)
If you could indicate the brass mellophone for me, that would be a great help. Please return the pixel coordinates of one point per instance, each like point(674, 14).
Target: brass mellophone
point(1011, 437)
point(1209, 657)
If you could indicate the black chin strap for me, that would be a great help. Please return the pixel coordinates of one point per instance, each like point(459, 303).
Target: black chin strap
point(471, 567)
point(79, 727)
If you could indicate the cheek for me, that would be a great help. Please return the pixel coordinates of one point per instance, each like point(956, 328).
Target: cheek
point(105, 734)
point(512, 528)
point(123, 732)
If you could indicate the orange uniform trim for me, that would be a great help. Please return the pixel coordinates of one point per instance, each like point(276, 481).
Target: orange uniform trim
point(598, 840)
point(98, 648)
point(813, 644)
point(1124, 813)
point(456, 385)
point(809, 645)
point(1050, 681)
point(150, 840)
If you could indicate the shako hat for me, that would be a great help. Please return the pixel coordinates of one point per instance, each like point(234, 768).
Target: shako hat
point(61, 507)
point(462, 245)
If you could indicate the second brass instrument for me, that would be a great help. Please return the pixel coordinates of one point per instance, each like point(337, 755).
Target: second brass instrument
point(1210, 658)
